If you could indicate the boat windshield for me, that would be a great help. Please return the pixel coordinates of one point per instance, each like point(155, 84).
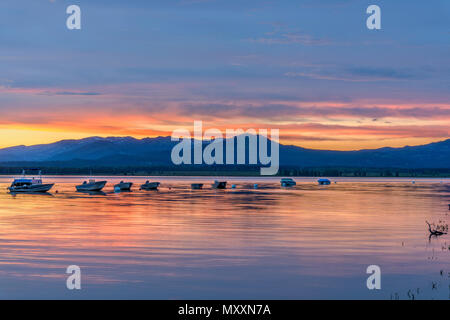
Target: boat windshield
point(22, 182)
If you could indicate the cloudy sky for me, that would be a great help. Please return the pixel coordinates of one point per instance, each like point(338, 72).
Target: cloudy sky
point(310, 68)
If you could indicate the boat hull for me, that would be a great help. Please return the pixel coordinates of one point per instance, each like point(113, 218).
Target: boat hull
point(96, 186)
point(32, 188)
point(287, 185)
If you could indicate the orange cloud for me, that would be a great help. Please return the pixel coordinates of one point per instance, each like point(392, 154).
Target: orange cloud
point(46, 115)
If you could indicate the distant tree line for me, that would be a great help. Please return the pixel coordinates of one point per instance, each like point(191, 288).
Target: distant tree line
point(363, 172)
point(229, 170)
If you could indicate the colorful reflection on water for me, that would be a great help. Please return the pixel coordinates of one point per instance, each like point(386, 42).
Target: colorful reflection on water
point(268, 243)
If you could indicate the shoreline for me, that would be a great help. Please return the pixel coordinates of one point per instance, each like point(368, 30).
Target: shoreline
point(206, 175)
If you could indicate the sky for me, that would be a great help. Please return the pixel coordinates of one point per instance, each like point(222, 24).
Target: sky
point(310, 68)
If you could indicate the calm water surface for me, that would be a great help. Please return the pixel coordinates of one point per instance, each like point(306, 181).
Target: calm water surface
point(306, 242)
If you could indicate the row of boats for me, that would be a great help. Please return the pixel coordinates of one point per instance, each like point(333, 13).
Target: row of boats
point(93, 185)
point(289, 182)
point(33, 185)
point(24, 184)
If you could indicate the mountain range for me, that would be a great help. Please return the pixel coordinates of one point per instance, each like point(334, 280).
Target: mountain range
point(128, 151)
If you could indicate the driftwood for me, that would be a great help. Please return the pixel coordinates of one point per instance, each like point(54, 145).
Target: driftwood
point(434, 232)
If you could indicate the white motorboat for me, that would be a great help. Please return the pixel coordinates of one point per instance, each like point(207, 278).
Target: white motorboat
point(150, 185)
point(123, 186)
point(29, 185)
point(91, 185)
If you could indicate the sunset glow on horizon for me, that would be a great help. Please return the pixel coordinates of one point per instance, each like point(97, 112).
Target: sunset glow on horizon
point(263, 67)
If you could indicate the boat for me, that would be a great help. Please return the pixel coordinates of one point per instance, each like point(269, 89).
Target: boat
point(287, 182)
point(219, 184)
point(196, 186)
point(28, 185)
point(324, 182)
point(91, 185)
point(123, 186)
point(150, 185)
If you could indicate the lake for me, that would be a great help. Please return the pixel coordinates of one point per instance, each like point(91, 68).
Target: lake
point(309, 241)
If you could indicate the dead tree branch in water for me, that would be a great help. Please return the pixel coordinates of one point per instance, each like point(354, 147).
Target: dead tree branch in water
point(438, 230)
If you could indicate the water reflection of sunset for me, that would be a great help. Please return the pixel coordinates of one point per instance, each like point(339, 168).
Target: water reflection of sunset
point(309, 238)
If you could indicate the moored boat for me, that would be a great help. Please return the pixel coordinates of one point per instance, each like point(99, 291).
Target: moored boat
point(123, 186)
point(196, 186)
point(219, 184)
point(150, 185)
point(91, 185)
point(27, 185)
point(287, 182)
point(324, 182)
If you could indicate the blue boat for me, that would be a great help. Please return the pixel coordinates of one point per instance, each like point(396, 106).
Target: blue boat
point(324, 182)
point(287, 182)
